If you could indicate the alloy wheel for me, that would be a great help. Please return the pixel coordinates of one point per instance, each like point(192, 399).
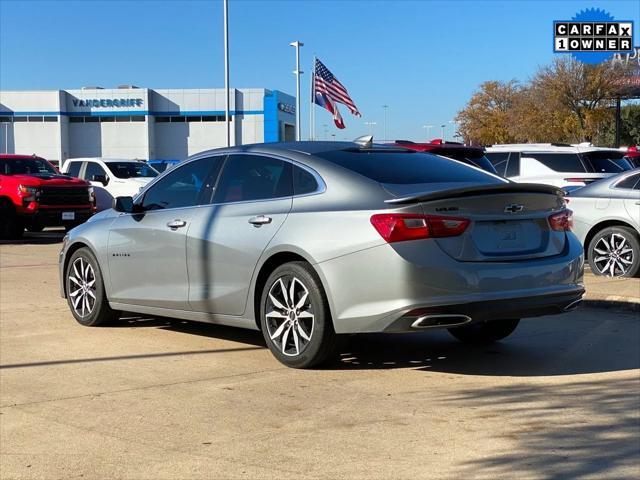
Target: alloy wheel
point(82, 287)
point(614, 255)
point(289, 316)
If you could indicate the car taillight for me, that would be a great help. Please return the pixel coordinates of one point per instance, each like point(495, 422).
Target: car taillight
point(92, 196)
point(398, 227)
point(561, 221)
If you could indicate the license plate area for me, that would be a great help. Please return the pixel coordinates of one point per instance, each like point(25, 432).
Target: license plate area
point(505, 237)
point(68, 215)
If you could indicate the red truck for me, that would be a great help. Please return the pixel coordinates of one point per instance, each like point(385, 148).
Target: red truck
point(34, 195)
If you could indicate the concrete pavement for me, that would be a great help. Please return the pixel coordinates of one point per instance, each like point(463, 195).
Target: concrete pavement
point(166, 399)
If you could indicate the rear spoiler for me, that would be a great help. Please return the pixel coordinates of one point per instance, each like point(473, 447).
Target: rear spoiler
point(479, 190)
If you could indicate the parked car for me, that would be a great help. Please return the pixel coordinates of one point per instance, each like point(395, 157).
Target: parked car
point(561, 165)
point(162, 165)
point(111, 177)
point(463, 153)
point(607, 222)
point(633, 156)
point(34, 195)
point(308, 240)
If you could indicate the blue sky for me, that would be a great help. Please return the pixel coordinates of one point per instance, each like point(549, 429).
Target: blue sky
point(422, 58)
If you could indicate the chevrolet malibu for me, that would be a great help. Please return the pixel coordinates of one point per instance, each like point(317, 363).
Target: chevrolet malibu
point(307, 241)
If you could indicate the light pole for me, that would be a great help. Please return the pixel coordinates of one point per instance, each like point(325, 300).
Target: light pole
point(297, 72)
point(226, 71)
point(326, 131)
point(385, 121)
point(427, 127)
point(370, 125)
point(454, 123)
point(442, 126)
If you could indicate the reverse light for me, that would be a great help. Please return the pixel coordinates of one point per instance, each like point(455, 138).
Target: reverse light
point(561, 221)
point(399, 227)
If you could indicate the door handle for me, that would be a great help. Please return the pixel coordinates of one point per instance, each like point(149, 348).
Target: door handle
point(260, 220)
point(175, 224)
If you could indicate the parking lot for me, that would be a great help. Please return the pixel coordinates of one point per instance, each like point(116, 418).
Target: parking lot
point(162, 398)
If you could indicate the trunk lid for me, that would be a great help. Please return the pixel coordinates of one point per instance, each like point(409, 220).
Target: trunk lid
point(508, 221)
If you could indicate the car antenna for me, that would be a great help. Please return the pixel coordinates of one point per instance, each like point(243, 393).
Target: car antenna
point(365, 141)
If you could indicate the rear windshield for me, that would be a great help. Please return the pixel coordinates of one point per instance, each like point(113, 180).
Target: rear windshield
point(405, 168)
point(607, 162)
point(131, 169)
point(26, 166)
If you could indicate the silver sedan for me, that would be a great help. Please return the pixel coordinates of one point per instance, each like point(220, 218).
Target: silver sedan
point(306, 241)
point(607, 222)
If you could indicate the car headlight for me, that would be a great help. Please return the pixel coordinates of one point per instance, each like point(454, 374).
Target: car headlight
point(28, 194)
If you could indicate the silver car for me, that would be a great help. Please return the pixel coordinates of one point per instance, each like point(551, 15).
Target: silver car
point(306, 241)
point(607, 222)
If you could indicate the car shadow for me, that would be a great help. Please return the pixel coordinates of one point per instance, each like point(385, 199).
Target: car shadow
point(584, 341)
point(46, 237)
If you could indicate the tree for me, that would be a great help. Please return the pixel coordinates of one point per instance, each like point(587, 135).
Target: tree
point(485, 119)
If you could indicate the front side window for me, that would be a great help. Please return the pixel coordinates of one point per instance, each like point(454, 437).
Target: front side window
point(254, 177)
point(559, 162)
point(131, 169)
point(74, 169)
point(92, 169)
point(186, 186)
point(26, 166)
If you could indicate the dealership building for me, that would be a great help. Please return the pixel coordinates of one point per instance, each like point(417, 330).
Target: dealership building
point(144, 123)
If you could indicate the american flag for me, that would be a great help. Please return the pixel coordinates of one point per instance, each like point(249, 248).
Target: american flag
point(327, 91)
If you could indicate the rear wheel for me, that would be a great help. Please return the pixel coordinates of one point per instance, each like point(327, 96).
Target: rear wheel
point(295, 317)
point(615, 252)
point(11, 226)
point(85, 290)
point(485, 332)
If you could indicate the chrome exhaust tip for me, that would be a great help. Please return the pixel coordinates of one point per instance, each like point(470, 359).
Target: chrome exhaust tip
point(573, 305)
point(442, 320)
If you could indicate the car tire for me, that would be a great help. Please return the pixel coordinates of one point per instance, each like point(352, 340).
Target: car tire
point(11, 226)
point(85, 290)
point(615, 252)
point(485, 332)
point(295, 317)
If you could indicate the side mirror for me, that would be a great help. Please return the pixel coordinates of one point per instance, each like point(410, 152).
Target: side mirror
point(124, 204)
point(100, 178)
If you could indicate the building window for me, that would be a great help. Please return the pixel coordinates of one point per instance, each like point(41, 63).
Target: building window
point(194, 119)
point(213, 118)
point(50, 119)
point(177, 119)
point(123, 118)
point(36, 118)
point(76, 119)
point(105, 119)
point(137, 118)
point(162, 119)
point(19, 119)
point(5, 119)
point(92, 119)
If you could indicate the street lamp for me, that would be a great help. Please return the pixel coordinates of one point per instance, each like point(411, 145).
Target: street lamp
point(297, 72)
point(326, 131)
point(454, 123)
point(385, 121)
point(427, 127)
point(442, 126)
point(226, 70)
point(370, 125)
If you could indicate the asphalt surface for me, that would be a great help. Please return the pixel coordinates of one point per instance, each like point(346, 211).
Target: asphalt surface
point(165, 399)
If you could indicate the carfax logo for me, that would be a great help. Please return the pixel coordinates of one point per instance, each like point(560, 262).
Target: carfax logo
point(593, 36)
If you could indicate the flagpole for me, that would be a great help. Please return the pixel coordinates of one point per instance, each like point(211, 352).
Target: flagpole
point(312, 111)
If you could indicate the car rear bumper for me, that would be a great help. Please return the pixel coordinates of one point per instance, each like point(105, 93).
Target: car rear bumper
point(373, 290)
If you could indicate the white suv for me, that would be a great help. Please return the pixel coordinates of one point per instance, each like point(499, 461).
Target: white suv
point(110, 177)
point(556, 164)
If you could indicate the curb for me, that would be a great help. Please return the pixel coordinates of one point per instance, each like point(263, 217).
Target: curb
point(619, 303)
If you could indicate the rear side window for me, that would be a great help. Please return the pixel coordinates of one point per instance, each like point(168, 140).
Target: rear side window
point(404, 168)
point(513, 166)
point(499, 161)
point(607, 161)
point(303, 181)
point(629, 182)
point(74, 169)
point(92, 169)
point(254, 177)
point(559, 162)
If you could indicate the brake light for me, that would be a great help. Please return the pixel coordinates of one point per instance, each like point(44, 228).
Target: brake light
point(398, 227)
point(561, 221)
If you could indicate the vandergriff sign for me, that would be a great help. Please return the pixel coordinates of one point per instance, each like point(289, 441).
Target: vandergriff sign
point(108, 102)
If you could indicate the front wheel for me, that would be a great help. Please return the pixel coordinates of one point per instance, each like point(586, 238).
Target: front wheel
point(295, 318)
point(485, 332)
point(615, 252)
point(11, 226)
point(85, 290)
